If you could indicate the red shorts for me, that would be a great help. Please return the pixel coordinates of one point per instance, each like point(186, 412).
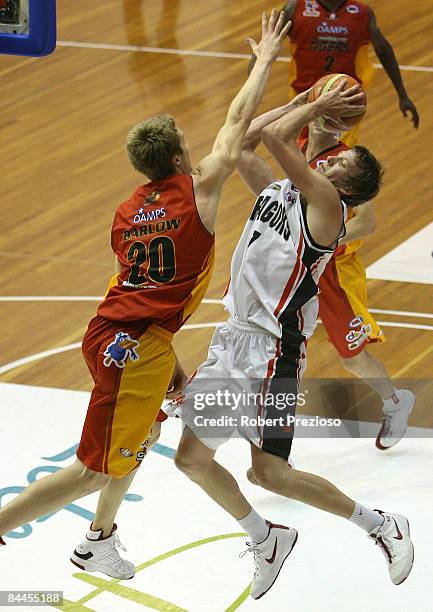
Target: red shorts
point(131, 365)
point(343, 306)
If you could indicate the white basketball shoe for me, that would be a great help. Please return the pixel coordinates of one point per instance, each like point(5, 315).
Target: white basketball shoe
point(393, 537)
point(269, 557)
point(98, 554)
point(394, 423)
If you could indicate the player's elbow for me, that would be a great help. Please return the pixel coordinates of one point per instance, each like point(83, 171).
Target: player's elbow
point(275, 133)
point(270, 135)
point(383, 49)
point(269, 132)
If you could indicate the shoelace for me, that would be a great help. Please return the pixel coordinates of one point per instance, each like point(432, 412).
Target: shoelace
point(380, 540)
point(118, 543)
point(252, 548)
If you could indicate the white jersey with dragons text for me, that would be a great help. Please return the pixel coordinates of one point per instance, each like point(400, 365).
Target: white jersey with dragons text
point(276, 267)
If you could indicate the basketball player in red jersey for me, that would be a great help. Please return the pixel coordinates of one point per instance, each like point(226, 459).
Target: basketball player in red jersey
point(163, 239)
point(332, 36)
point(343, 285)
point(343, 301)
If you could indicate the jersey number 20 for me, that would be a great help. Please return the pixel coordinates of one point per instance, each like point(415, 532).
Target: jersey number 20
point(161, 258)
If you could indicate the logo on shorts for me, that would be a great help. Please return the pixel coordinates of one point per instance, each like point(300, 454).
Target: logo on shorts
point(311, 9)
point(141, 455)
point(118, 351)
point(126, 452)
point(358, 334)
point(352, 8)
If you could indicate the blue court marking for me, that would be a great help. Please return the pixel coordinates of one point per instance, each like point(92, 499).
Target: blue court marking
point(166, 451)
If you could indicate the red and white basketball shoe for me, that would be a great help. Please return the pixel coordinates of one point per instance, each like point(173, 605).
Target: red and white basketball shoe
point(98, 554)
point(269, 557)
point(394, 423)
point(393, 537)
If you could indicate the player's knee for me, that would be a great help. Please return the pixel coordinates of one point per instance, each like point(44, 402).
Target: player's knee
point(275, 478)
point(251, 476)
point(355, 363)
point(265, 476)
point(187, 463)
point(90, 480)
point(192, 464)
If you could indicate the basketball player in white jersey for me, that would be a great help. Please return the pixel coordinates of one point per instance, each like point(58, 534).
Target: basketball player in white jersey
point(343, 289)
point(272, 302)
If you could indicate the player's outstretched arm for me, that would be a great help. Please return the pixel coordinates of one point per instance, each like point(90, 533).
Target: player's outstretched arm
point(254, 170)
point(386, 55)
point(215, 168)
point(289, 12)
point(324, 207)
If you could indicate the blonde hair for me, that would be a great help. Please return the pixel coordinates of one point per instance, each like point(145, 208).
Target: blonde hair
point(151, 145)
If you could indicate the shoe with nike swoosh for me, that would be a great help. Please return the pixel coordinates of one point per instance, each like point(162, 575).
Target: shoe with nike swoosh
point(269, 557)
point(393, 537)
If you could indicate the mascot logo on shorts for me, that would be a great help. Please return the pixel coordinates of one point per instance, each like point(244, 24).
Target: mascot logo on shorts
point(120, 349)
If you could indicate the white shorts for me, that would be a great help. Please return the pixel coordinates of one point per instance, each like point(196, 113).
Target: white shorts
point(247, 387)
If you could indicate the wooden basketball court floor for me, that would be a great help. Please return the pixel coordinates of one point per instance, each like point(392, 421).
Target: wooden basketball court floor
point(63, 122)
point(64, 170)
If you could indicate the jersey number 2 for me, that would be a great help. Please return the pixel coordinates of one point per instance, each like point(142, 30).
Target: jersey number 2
point(161, 257)
point(330, 59)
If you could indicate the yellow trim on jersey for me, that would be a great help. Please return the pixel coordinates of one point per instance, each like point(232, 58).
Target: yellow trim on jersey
point(200, 287)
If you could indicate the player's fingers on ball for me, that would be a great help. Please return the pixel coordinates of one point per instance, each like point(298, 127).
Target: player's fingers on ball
point(356, 97)
point(359, 108)
point(355, 89)
point(341, 85)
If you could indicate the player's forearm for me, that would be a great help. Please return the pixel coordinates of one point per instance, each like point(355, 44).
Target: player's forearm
point(245, 104)
point(386, 55)
point(252, 63)
point(287, 128)
point(254, 132)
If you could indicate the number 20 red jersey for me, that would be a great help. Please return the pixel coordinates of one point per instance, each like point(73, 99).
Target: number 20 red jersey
point(325, 42)
point(165, 253)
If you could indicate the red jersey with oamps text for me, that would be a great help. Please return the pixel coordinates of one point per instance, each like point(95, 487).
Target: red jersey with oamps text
point(325, 42)
point(165, 253)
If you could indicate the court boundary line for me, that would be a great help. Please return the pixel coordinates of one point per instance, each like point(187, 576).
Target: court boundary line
point(197, 53)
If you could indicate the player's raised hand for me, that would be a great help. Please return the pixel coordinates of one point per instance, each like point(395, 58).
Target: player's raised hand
point(337, 101)
point(274, 31)
point(407, 106)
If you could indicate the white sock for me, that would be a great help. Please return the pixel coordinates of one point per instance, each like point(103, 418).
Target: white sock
point(255, 526)
point(392, 403)
point(365, 518)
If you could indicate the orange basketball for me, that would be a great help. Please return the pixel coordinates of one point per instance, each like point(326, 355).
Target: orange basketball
point(325, 84)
